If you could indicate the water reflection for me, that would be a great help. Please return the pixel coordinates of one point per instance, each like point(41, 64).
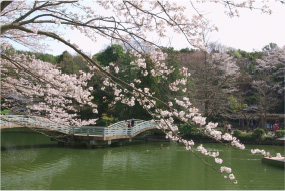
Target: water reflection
point(27, 147)
point(38, 177)
point(139, 167)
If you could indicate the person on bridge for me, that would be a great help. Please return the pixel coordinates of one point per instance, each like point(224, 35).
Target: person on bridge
point(129, 125)
point(132, 122)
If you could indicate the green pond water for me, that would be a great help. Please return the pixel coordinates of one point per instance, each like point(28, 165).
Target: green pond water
point(30, 161)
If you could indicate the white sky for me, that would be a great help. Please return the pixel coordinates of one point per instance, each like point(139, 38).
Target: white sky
point(251, 31)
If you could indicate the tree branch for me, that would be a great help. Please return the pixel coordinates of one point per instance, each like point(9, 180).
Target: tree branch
point(4, 4)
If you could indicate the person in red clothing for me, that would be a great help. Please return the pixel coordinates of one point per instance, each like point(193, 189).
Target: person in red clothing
point(275, 128)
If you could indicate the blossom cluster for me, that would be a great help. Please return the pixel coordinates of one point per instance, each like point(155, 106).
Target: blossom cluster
point(264, 153)
point(258, 151)
point(227, 137)
point(228, 170)
point(49, 92)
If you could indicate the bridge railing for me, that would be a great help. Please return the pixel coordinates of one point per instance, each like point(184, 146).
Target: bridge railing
point(30, 121)
point(87, 130)
point(100, 131)
point(9, 120)
point(117, 129)
point(144, 125)
point(123, 124)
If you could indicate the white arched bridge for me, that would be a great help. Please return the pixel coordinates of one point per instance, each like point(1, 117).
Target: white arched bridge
point(91, 135)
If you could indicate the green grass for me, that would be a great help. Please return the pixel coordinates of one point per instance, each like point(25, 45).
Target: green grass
point(5, 111)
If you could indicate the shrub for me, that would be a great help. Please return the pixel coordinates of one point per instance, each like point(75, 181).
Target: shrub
point(5, 112)
point(192, 131)
point(268, 138)
point(245, 137)
point(258, 133)
point(280, 133)
point(237, 133)
point(102, 122)
point(186, 129)
point(222, 130)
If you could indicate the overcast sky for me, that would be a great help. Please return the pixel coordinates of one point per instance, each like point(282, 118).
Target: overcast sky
point(251, 31)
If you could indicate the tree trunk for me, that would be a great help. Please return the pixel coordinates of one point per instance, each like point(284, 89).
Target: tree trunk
point(262, 122)
point(247, 125)
point(265, 122)
point(242, 124)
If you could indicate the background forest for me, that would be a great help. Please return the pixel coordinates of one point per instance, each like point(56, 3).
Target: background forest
point(225, 84)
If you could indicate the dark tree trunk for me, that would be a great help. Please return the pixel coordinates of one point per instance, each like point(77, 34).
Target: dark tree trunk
point(242, 124)
point(247, 125)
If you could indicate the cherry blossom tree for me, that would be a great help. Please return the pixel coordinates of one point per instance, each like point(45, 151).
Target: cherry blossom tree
point(269, 81)
point(31, 22)
point(215, 74)
point(46, 90)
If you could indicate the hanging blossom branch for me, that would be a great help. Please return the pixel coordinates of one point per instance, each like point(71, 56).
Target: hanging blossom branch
point(166, 124)
point(166, 116)
point(55, 92)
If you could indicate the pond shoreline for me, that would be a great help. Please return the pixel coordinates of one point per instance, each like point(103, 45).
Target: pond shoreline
point(155, 138)
point(159, 137)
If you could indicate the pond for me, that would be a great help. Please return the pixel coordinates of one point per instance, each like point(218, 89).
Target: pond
point(30, 161)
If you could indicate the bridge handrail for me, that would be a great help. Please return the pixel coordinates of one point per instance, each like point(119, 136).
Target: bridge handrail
point(144, 125)
point(117, 129)
point(123, 123)
point(26, 120)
